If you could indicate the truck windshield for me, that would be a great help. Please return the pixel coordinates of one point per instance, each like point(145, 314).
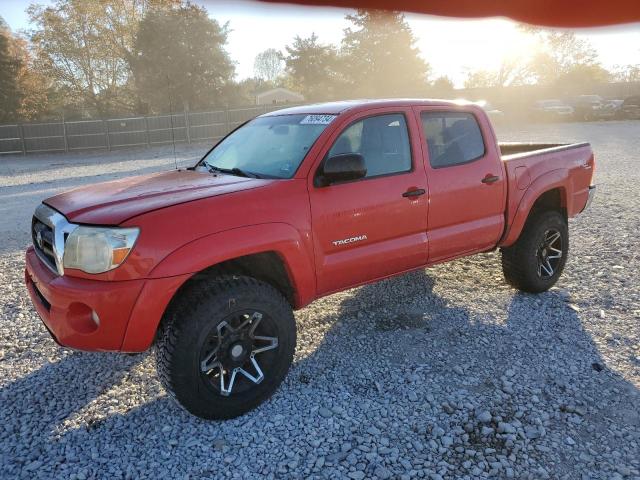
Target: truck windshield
point(269, 147)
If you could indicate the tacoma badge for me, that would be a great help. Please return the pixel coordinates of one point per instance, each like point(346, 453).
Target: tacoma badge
point(359, 238)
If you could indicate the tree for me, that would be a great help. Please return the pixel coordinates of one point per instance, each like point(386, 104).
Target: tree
point(512, 71)
point(442, 87)
point(628, 73)
point(180, 55)
point(268, 65)
point(563, 57)
point(480, 79)
point(23, 91)
point(85, 48)
point(313, 68)
point(33, 86)
point(10, 67)
point(580, 78)
point(381, 55)
point(247, 89)
point(565, 51)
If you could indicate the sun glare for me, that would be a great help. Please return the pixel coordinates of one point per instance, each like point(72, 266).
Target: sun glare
point(455, 47)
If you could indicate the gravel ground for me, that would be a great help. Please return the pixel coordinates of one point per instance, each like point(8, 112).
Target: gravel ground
point(443, 373)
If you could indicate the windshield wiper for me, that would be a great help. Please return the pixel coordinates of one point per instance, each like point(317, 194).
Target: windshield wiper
point(233, 171)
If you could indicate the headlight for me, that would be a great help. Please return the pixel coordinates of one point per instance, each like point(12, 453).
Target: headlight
point(98, 249)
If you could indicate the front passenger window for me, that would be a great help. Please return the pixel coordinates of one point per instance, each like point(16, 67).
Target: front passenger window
point(383, 141)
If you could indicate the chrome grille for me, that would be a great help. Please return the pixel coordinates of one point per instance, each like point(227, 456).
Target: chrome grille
point(49, 231)
point(42, 236)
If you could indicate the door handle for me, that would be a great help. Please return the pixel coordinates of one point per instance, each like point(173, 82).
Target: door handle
point(416, 192)
point(490, 179)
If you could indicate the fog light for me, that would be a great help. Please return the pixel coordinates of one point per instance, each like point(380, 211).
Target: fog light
point(82, 319)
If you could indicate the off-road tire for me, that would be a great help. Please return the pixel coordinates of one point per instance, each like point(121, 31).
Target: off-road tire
point(200, 307)
point(520, 261)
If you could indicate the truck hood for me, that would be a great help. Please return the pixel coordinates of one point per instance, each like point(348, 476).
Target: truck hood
point(111, 203)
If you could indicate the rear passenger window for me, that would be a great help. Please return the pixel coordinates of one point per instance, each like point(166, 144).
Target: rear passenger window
point(382, 140)
point(452, 138)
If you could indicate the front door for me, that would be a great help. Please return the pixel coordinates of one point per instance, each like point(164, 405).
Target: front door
point(375, 226)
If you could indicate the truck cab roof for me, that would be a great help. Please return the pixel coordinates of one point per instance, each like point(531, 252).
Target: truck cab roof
point(336, 108)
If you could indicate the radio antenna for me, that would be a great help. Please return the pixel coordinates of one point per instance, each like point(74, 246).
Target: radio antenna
point(173, 137)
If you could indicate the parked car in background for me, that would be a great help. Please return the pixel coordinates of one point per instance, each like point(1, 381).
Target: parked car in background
point(610, 109)
point(588, 107)
point(630, 108)
point(552, 110)
point(616, 104)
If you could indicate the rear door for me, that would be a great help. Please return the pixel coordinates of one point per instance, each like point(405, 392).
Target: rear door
point(466, 182)
point(371, 228)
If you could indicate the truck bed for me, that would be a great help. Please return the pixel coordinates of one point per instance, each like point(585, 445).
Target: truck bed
point(533, 168)
point(510, 150)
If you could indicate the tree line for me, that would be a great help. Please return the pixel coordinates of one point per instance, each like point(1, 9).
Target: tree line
point(560, 59)
point(114, 57)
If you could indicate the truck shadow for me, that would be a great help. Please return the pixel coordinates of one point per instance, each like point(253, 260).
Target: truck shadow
point(425, 359)
point(440, 359)
point(38, 407)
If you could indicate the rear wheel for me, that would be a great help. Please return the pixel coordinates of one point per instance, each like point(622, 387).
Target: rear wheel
point(225, 347)
point(536, 261)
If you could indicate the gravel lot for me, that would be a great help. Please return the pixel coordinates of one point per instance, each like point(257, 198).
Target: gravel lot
point(443, 373)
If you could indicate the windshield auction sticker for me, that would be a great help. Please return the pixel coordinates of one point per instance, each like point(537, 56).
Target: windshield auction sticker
point(317, 119)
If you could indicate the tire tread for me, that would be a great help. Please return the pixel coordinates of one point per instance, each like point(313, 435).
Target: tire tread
point(184, 306)
point(516, 265)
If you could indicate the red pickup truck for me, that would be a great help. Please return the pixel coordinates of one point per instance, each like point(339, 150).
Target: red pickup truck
point(207, 263)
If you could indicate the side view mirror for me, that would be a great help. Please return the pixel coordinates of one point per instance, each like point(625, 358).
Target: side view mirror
point(342, 168)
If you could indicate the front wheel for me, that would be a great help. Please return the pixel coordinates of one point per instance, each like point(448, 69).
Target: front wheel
point(224, 347)
point(535, 262)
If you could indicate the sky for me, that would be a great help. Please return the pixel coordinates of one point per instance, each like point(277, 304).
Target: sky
point(451, 46)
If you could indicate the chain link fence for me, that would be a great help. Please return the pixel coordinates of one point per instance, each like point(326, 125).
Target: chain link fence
point(147, 131)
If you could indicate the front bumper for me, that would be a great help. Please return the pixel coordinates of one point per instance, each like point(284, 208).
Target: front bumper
point(98, 315)
point(66, 306)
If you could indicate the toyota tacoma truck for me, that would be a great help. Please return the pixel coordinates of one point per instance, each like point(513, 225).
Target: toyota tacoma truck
point(207, 263)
